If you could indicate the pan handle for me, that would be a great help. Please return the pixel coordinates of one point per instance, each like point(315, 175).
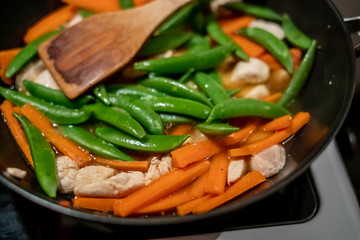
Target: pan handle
point(353, 23)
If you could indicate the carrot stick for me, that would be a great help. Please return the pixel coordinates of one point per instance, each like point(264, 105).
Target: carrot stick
point(188, 207)
point(15, 127)
point(237, 137)
point(215, 183)
point(273, 97)
point(270, 60)
point(50, 22)
point(230, 25)
point(123, 165)
point(181, 129)
point(298, 121)
point(296, 56)
point(245, 183)
point(160, 188)
point(190, 153)
point(278, 124)
point(198, 188)
point(251, 48)
point(6, 56)
point(100, 204)
point(64, 145)
point(95, 5)
point(138, 3)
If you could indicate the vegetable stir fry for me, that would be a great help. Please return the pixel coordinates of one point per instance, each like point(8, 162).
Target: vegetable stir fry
point(198, 118)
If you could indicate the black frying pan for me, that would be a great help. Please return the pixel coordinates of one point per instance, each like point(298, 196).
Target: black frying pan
point(327, 96)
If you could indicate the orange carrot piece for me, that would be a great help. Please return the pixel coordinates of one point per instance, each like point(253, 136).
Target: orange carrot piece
point(63, 144)
point(278, 124)
point(251, 48)
point(15, 127)
point(6, 56)
point(100, 204)
point(296, 56)
point(138, 3)
point(190, 153)
point(237, 137)
point(270, 60)
point(95, 5)
point(198, 188)
point(245, 183)
point(181, 129)
point(188, 207)
point(299, 120)
point(273, 97)
point(160, 188)
point(50, 22)
point(230, 25)
point(216, 180)
point(123, 165)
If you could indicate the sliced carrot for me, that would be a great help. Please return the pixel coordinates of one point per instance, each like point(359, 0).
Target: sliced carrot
point(64, 145)
point(278, 124)
point(216, 180)
point(100, 204)
point(270, 60)
point(237, 137)
point(230, 25)
point(273, 97)
point(296, 54)
point(138, 3)
point(245, 183)
point(95, 5)
point(123, 165)
point(15, 127)
point(181, 129)
point(50, 22)
point(188, 207)
point(6, 56)
point(181, 157)
point(251, 48)
point(160, 188)
point(198, 188)
point(256, 136)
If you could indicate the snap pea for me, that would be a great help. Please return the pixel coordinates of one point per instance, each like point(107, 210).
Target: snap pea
point(55, 96)
point(241, 107)
point(198, 21)
point(255, 10)
point(140, 112)
point(85, 13)
point(56, 113)
point(293, 34)
point(274, 45)
point(215, 31)
point(212, 88)
point(180, 64)
point(26, 54)
point(150, 143)
point(136, 91)
point(299, 78)
point(43, 156)
point(117, 118)
point(125, 4)
point(172, 118)
point(198, 44)
point(215, 75)
point(180, 106)
point(92, 143)
point(101, 93)
point(232, 92)
point(216, 128)
point(175, 89)
point(186, 76)
point(166, 41)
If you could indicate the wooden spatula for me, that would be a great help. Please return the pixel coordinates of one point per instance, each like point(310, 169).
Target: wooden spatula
point(95, 48)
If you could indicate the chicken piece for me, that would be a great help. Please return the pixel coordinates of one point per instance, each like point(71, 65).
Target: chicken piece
point(270, 161)
point(16, 172)
point(215, 4)
point(66, 173)
point(236, 170)
point(75, 20)
point(258, 92)
point(271, 27)
point(30, 72)
point(158, 168)
point(46, 79)
point(196, 136)
point(253, 71)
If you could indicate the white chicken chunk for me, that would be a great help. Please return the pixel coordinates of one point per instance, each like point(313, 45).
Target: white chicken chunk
point(46, 79)
point(76, 19)
point(158, 168)
point(16, 172)
point(271, 27)
point(215, 4)
point(258, 92)
point(236, 170)
point(30, 72)
point(270, 161)
point(66, 173)
point(253, 71)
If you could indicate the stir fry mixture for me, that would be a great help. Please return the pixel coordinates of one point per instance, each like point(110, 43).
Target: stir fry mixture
point(198, 118)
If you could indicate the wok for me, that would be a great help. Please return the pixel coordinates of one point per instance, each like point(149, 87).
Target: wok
point(327, 95)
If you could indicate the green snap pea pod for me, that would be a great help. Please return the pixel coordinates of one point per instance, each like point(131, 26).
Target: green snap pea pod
point(93, 144)
point(175, 89)
point(117, 118)
point(198, 44)
point(215, 31)
point(85, 13)
point(177, 18)
point(101, 93)
point(26, 54)
point(211, 87)
point(274, 45)
point(299, 78)
point(55, 96)
point(136, 91)
point(186, 76)
point(180, 64)
point(56, 113)
point(150, 143)
point(125, 4)
point(140, 112)
point(232, 92)
point(179, 106)
point(293, 34)
point(241, 107)
point(216, 128)
point(198, 21)
point(215, 75)
point(43, 156)
point(166, 41)
point(255, 10)
point(171, 118)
